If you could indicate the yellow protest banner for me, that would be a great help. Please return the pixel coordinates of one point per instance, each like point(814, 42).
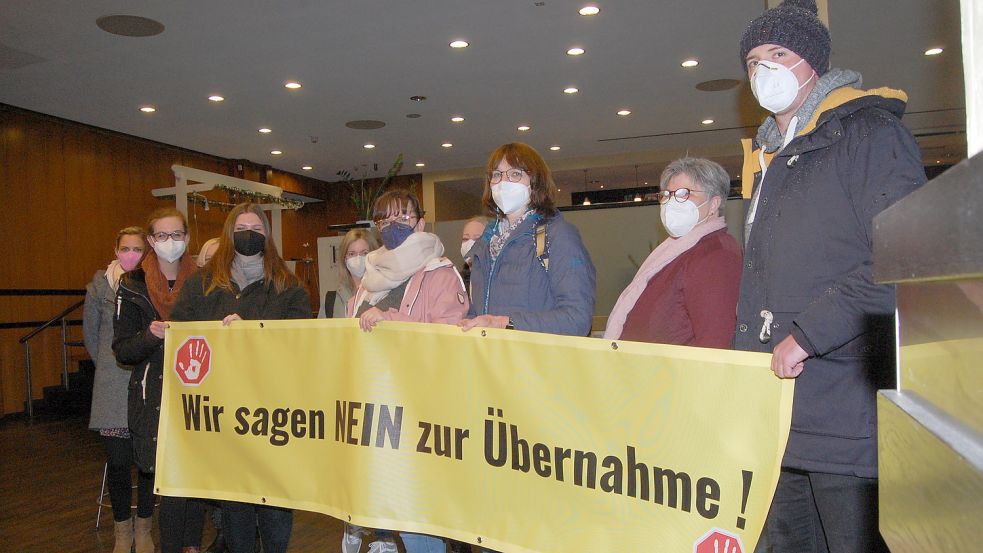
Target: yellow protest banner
point(511, 440)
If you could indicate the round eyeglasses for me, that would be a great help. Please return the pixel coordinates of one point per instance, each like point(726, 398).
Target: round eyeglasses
point(514, 175)
point(679, 194)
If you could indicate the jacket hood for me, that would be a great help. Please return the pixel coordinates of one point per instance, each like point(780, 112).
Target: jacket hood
point(837, 102)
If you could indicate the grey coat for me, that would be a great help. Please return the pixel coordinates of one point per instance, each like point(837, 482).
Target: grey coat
point(808, 261)
point(110, 387)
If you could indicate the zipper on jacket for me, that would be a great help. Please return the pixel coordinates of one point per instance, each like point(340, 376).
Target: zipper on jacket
point(135, 293)
point(494, 263)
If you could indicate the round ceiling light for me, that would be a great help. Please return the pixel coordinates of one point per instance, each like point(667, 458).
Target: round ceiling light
point(690, 63)
point(589, 10)
point(575, 51)
point(933, 51)
point(265, 130)
point(148, 109)
point(216, 98)
point(459, 44)
point(292, 85)
point(523, 128)
point(276, 152)
point(554, 148)
point(446, 145)
point(307, 168)
point(571, 90)
point(421, 164)
point(457, 119)
point(368, 146)
point(130, 25)
point(624, 112)
point(707, 121)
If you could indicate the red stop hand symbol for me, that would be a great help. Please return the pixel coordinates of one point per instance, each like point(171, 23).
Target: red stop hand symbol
point(193, 361)
point(718, 541)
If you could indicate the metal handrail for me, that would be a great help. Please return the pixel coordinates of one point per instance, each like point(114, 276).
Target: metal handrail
point(51, 321)
point(25, 339)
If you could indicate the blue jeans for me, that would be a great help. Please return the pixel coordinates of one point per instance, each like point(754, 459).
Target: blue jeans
point(239, 523)
point(422, 543)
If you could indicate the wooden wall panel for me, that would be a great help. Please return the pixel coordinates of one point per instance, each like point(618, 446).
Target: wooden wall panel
point(68, 188)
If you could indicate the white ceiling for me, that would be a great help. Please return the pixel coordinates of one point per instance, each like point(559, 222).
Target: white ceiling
point(363, 60)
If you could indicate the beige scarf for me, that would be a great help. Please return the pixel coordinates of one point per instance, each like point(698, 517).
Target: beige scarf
point(386, 269)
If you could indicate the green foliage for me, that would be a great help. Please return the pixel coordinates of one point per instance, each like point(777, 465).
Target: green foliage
point(364, 193)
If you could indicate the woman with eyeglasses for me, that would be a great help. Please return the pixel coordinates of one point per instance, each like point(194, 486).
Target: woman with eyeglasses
point(685, 292)
point(529, 270)
point(355, 246)
point(144, 300)
point(246, 279)
point(410, 280)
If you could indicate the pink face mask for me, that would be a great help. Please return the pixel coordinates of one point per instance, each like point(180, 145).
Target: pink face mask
point(129, 260)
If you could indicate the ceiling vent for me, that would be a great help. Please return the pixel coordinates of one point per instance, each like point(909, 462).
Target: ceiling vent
point(130, 25)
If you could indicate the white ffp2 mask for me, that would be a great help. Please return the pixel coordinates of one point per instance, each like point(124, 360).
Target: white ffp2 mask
point(775, 86)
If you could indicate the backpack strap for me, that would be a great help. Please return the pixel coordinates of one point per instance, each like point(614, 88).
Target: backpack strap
point(542, 246)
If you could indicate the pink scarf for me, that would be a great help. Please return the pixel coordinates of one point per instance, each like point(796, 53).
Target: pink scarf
point(664, 254)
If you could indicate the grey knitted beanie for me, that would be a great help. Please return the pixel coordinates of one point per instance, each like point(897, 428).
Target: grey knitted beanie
point(795, 25)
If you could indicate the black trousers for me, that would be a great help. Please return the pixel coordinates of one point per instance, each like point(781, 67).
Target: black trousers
point(822, 513)
point(119, 480)
point(182, 520)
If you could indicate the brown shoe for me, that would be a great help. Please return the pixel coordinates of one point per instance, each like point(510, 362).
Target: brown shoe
point(142, 529)
point(123, 533)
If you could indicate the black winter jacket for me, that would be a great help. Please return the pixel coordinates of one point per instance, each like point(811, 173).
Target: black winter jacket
point(257, 301)
point(808, 261)
point(134, 345)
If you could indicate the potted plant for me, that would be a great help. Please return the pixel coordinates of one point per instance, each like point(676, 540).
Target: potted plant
point(365, 192)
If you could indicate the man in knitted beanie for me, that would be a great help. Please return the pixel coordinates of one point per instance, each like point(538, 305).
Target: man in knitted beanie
point(823, 164)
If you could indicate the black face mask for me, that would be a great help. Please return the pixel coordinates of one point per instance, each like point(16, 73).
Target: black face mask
point(249, 242)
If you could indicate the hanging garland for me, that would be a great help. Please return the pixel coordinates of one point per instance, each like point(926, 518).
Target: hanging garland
point(238, 195)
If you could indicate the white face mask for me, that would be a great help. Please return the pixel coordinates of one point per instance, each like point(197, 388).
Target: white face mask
point(680, 217)
point(170, 250)
point(466, 247)
point(775, 86)
point(510, 196)
point(356, 265)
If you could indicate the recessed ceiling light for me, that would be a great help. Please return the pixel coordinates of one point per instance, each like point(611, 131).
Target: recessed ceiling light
point(307, 168)
point(368, 146)
point(933, 51)
point(571, 90)
point(457, 119)
point(293, 85)
point(602, 186)
point(216, 98)
point(690, 63)
point(446, 145)
point(148, 109)
point(637, 198)
point(707, 121)
point(421, 164)
point(459, 44)
point(523, 128)
point(575, 51)
point(276, 152)
point(589, 10)
point(558, 190)
point(554, 148)
point(624, 112)
point(265, 130)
